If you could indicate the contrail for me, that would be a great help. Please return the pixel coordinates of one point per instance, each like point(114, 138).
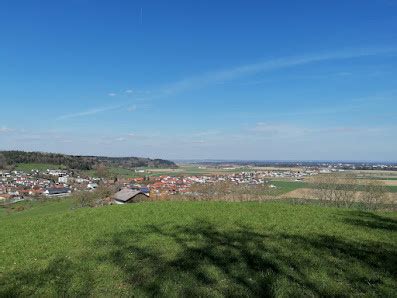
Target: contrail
point(141, 16)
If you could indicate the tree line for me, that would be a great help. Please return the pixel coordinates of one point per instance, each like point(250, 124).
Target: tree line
point(12, 158)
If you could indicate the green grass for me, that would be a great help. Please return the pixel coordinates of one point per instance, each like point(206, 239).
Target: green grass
point(115, 171)
point(192, 170)
point(38, 166)
point(154, 172)
point(287, 186)
point(122, 172)
point(391, 188)
point(33, 208)
point(197, 249)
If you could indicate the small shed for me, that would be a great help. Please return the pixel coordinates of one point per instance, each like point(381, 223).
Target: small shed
point(127, 195)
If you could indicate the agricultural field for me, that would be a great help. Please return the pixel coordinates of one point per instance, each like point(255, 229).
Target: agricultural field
point(114, 171)
point(197, 249)
point(284, 186)
point(182, 170)
point(376, 173)
point(185, 169)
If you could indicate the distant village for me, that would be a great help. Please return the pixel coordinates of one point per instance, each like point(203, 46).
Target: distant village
point(20, 185)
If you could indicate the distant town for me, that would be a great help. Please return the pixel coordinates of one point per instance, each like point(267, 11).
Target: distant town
point(17, 185)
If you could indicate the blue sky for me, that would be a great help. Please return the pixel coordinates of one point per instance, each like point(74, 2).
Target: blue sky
point(273, 80)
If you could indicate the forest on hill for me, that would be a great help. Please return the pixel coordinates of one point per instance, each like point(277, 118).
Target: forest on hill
point(12, 158)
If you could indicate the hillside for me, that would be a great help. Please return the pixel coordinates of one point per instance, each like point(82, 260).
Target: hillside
point(197, 249)
point(12, 158)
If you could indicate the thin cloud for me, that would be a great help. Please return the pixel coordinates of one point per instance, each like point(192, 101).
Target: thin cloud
point(197, 142)
point(270, 65)
point(132, 108)
point(217, 77)
point(277, 129)
point(90, 112)
point(352, 130)
point(133, 135)
point(5, 129)
point(137, 92)
point(206, 133)
point(291, 130)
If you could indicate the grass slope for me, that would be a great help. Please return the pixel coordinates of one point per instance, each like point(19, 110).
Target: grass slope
point(197, 248)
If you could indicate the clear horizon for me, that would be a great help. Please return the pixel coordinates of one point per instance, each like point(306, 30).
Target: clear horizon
point(201, 81)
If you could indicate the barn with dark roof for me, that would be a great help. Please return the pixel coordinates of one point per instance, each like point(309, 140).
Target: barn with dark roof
point(127, 195)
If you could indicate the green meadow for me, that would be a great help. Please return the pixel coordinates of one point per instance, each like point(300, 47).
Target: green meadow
point(197, 249)
point(114, 172)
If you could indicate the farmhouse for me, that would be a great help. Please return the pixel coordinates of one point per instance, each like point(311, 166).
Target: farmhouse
point(129, 196)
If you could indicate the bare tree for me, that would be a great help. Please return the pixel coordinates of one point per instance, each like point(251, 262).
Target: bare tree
point(336, 188)
point(93, 198)
point(346, 188)
point(323, 186)
point(102, 171)
point(374, 193)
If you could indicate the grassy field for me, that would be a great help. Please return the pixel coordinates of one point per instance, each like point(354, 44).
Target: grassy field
point(115, 171)
point(184, 169)
point(37, 166)
point(128, 173)
point(287, 186)
point(197, 249)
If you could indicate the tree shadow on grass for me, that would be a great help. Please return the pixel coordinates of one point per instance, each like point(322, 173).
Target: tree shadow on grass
point(380, 258)
point(204, 256)
point(61, 277)
point(201, 260)
point(370, 220)
point(204, 259)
